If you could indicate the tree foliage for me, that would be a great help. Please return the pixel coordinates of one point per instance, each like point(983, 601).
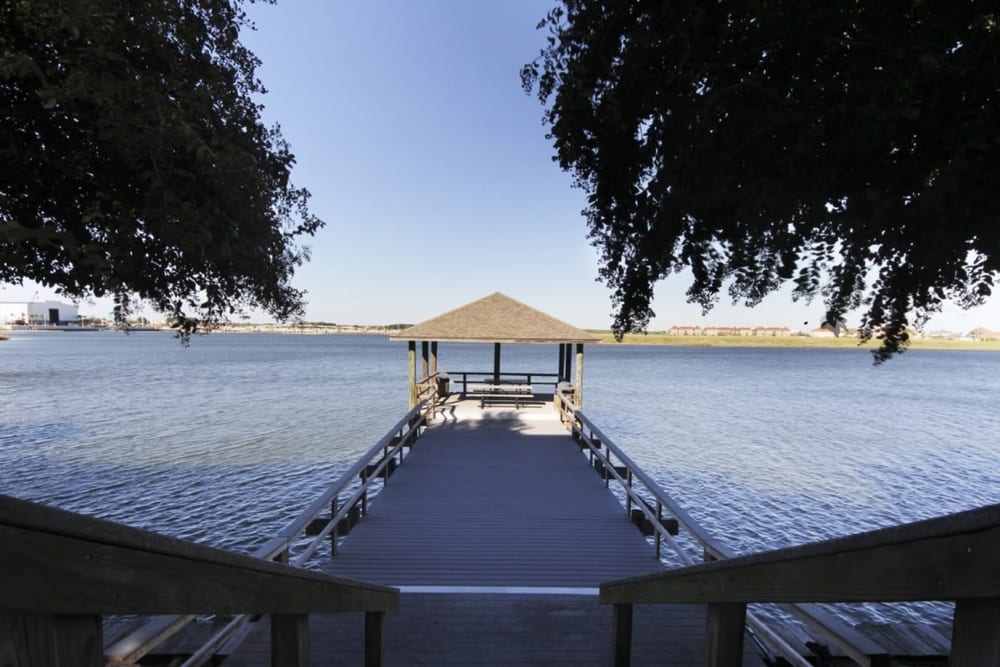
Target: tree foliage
point(848, 148)
point(135, 162)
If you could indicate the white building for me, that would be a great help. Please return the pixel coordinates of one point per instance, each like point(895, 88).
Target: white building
point(38, 313)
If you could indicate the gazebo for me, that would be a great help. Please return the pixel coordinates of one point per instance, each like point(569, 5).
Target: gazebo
point(496, 319)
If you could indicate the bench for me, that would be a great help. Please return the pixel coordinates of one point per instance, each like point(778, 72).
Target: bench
point(503, 392)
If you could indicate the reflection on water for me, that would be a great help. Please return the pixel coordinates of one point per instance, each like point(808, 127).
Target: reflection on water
point(226, 440)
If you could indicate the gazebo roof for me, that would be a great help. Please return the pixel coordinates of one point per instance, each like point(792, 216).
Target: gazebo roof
point(496, 318)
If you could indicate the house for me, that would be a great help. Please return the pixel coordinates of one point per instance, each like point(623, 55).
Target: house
point(38, 313)
point(772, 331)
point(684, 331)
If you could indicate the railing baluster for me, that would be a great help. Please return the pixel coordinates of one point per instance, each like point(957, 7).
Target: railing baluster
point(724, 634)
point(975, 632)
point(628, 495)
point(290, 640)
point(333, 518)
point(621, 639)
point(659, 516)
point(374, 638)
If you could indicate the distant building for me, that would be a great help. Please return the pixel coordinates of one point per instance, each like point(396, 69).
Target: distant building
point(821, 332)
point(684, 331)
point(38, 313)
point(772, 331)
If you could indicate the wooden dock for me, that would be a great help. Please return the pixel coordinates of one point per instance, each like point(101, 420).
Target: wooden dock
point(498, 532)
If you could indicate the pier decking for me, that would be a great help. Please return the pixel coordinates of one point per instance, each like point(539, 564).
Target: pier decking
point(498, 532)
point(494, 497)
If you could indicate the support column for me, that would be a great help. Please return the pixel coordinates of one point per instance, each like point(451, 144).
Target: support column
point(579, 376)
point(562, 362)
point(290, 640)
point(496, 363)
point(412, 348)
point(434, 357)
point(425, 358)
point(724, 635)
point(374, 638)
point(621, 639)
point(975, 635)
point(568, 362)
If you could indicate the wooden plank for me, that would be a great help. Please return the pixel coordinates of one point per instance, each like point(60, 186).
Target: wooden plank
point(46, 573)
point(495, 502)
point(27, 640)
point(976, 633)
point(942, 559)
point(830, 628)
point(128, 649)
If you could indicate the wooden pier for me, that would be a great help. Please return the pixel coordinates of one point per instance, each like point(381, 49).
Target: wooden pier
point(498, 531)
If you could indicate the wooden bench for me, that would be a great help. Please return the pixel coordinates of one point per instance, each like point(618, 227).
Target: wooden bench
point(503, 392)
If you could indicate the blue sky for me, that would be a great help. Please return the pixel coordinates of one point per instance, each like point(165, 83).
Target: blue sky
point(431, 168)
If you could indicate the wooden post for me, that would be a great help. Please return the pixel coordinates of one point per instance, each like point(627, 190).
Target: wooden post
point(621, 638)
point(425, 357)
point(975, 634)
point(283, 556)
point(412, 349)
point(333, 534)
point(567, 362)
point(50, 639)
point(578, 395)
point(724, 634)
point(562, 363)
point(659, 516)
point(374, 638)
point(628, 495)
point(434, 357)
point(496, 363)
point(289, 640)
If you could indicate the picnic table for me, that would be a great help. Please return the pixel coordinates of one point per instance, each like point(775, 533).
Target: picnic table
point(499, 392)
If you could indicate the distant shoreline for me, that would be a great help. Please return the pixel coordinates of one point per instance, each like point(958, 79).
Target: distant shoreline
point(787, 341)
point(607, 338)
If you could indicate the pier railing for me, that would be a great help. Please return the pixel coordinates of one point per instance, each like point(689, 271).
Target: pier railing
point(951, 558)
point(60, 572)
point(328, 517)
point(659, 516)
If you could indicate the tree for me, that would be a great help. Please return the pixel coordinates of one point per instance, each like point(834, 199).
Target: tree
point(848, 148)
point(136, 163)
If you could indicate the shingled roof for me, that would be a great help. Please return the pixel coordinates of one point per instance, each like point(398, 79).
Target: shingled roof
point(496, 318)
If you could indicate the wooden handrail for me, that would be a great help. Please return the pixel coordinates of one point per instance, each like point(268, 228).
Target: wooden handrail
point(403, 433)
point(462, 377)
point(946, 558)
point(601, 448)
point(57, 565)
point(952, 558)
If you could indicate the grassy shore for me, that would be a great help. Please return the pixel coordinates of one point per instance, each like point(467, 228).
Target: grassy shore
point(785, 341)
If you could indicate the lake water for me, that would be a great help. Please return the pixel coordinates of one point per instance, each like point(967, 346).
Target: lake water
point(227, 440)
